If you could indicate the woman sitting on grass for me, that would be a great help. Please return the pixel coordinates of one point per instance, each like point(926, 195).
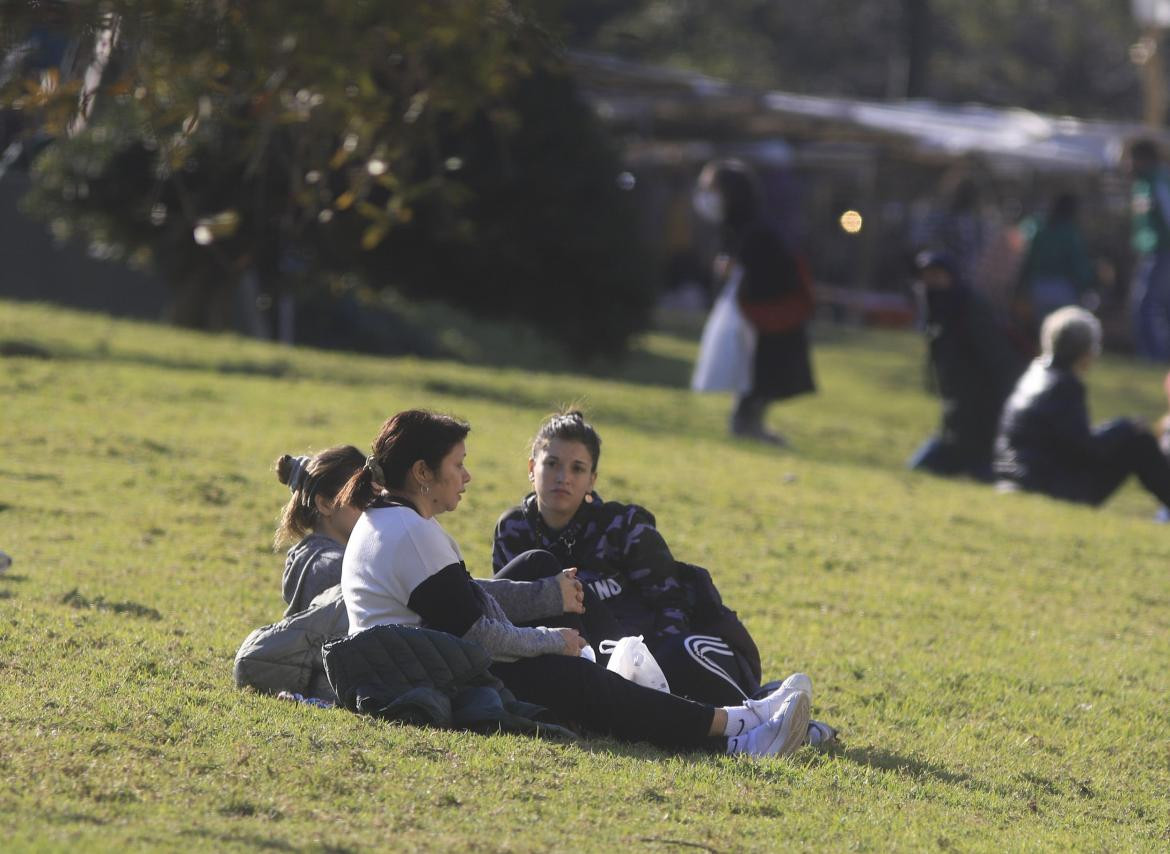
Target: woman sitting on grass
point(633, 584)
point(286, 656)
point(324, 524)
point(402, 568)
point(1046, 442)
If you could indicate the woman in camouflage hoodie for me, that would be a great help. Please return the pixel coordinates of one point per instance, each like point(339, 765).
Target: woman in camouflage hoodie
point(626, 567)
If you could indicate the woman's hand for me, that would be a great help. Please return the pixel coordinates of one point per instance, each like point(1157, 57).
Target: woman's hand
point(574, 643)
point(572, 593)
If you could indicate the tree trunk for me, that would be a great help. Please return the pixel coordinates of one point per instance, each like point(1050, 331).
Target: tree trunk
point(917, 20)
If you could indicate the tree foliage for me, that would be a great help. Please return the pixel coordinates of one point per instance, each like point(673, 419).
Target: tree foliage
point(1066, 57)
point(295, 139)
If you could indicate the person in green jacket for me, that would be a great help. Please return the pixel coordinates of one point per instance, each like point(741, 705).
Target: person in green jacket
point(1150, 198)
point(1057, 270)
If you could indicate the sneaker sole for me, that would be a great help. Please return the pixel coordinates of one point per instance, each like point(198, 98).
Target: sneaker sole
point(795, 729)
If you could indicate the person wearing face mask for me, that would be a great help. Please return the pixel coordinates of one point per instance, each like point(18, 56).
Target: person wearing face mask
point(772, 287)
point(632, 583)
point(971, 364)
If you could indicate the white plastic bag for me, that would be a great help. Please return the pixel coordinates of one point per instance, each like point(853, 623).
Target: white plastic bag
point(728, 345)
point(632, 659)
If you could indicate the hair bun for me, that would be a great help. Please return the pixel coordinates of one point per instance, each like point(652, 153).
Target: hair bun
point(284, 467)
point(293, 471)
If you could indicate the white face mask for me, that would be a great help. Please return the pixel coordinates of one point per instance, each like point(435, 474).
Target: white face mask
point(708, 204)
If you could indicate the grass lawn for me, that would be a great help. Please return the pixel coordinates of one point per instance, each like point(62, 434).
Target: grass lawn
point(997, 663)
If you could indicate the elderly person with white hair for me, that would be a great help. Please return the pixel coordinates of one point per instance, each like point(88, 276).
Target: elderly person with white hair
point(1045, 442)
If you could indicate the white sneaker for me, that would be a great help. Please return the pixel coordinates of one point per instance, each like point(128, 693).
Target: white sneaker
point(766, 707)
point(820, 734)
point(781, 735)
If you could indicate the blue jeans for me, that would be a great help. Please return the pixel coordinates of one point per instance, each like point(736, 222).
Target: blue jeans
point(1050, 293)
point(950, 459)
point(1152, 307)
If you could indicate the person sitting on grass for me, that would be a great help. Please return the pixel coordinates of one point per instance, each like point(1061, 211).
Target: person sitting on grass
point(323, 526)
point(402, 568)
point(312, 520)
point(286, 657)
point(1046, 443)
point(633, 584)
point(972, 366)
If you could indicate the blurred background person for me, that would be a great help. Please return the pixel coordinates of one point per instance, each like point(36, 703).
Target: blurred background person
point(772, 286)
point(1150, 202)
point(1057, 270)
point(1046, 443)
point(970, 364)
point(956, 229)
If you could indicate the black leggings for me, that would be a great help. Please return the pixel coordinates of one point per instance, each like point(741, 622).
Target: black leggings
point(1124, 449)
point(579, 691)
point(1128, 449)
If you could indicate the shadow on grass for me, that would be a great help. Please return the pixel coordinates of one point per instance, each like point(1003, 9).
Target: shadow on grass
point(73, 818)
point(249, 839)
point(31, 476)
point(917, 769)
point(74, 598)
point(638, 367)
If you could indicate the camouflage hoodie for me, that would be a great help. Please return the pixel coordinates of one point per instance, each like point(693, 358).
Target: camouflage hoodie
point(619, 555)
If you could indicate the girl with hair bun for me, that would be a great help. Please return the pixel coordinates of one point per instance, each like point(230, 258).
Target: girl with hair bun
point(314, 521)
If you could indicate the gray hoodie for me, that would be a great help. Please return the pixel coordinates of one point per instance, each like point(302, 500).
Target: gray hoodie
point(313, 566)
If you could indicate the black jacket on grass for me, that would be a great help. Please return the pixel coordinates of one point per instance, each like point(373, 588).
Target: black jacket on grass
point(420, 676)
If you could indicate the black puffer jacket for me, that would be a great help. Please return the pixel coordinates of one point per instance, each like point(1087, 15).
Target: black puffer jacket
point(426, 677)
point(1045, 442)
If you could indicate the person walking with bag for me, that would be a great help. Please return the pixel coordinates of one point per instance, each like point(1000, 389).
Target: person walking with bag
point(772, 288)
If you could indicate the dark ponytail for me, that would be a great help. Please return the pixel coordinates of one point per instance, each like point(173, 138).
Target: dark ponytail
point(406, 438)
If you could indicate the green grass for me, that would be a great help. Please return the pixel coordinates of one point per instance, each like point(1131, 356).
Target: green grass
point(997, 663)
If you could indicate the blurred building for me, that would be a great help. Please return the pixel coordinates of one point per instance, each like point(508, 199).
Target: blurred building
point(859, 182)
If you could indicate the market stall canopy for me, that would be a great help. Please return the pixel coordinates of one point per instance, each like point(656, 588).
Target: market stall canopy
point(670, 106)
